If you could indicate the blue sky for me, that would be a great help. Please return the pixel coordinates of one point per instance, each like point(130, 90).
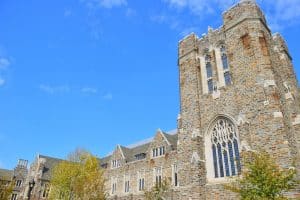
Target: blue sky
point(96, 73)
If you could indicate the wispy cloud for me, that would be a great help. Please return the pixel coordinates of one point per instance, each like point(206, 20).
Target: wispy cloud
point(173, 21)
point(280, 13)
point(89, 90)
point(54, 89)
point(107, 96)
point(2, 81)
point(4, 63)
point(199, 7)
point(130, 12)
point(94, 4)
point(67, 13)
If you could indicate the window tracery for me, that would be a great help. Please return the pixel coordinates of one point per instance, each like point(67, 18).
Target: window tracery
point(225, 148)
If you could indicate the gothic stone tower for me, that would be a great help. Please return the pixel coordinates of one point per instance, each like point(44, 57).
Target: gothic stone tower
point(238, 92)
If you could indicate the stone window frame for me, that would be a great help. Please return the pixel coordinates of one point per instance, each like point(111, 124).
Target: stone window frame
point(158, 151)
point(210, 169)
point(226, 70)
point(115, 163)
point(141, 180)
point(126, 184)
point(14, 196)
point(209, 79)
point(114, 182)
point(19, 183)
point(157, 175)
point(175, 181)
point(46, 190)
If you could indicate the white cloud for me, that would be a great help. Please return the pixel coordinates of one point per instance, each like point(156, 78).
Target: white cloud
point(108, 96)
point(112, 3)
point(280, 13)
point(93, 4)
point(4, 63)
point(2, 82)
point(54, 89)
point(67, 13)
point(130, 12)
point(200, 7)
point(89, 90)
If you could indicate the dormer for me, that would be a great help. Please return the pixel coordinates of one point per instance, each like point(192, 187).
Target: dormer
point(118, 158)
point(161, 144)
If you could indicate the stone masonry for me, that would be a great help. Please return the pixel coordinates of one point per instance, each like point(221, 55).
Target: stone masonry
point(238, 92)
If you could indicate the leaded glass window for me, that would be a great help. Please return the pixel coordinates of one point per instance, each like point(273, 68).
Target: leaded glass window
point(224, 61)
point(210, 85)
point(227, 78)
point(225, 148)
point(208, 70)
point(225, 65)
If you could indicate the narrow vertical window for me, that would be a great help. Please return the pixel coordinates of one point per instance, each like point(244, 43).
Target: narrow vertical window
point(225, 155)
point(237, 155)
point(141, 180)
point(215, 161)
point(210, 85)
point(227, 78)
point(126, 186)
point(208, 70)
point(158, 176)
point(175, 175)
point(209, 73)
point(220, 160)
point(225, 65)
point(231, 156)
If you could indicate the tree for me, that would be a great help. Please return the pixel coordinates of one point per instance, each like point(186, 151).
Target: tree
point(158, 192)
point(81, 178)
point(262, 178)
point(6, 189)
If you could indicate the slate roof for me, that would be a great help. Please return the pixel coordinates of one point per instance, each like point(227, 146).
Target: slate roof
point(172, 139)
point(49, 165)
point(130, 153)
point(6, 174)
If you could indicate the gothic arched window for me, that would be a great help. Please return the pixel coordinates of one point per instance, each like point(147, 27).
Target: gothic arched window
point(224, 143)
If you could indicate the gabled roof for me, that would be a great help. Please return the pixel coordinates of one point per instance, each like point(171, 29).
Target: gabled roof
point(131, 151)
point(6, 174)
point(49, 164)
point(172, 139)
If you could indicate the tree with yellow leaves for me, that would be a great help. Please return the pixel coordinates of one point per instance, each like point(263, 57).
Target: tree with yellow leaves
point(80, 178)
point(262, 178)
point(6, 189)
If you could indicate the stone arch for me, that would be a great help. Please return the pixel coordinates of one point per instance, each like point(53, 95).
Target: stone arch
point(222, 148)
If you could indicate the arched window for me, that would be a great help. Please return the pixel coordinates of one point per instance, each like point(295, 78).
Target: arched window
point(222, 144)
point(225, 65)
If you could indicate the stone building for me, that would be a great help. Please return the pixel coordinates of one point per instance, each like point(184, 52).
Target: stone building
point(238, 92)
point(17, 176)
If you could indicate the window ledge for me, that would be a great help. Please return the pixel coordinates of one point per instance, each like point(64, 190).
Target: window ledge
point(217, 181)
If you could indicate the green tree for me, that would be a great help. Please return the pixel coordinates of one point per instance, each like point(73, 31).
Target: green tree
point(262, 178)
point(6, 189)
point(158, 192)
point(80, 178)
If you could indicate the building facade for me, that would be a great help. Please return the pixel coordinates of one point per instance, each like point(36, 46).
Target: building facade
point(238, 92)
